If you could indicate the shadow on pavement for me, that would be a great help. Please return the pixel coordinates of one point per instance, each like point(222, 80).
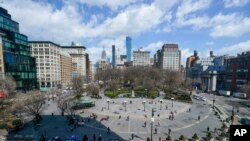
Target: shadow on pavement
point(67, 129)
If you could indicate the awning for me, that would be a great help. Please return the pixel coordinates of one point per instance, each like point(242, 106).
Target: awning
point(2, 94)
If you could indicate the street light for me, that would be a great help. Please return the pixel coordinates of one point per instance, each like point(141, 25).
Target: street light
point(172, 101)
point(125, 102)
point(144, 102)
point(108, 101)
point(161, 103)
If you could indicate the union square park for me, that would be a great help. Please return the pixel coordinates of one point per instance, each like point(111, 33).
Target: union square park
point(135, 104)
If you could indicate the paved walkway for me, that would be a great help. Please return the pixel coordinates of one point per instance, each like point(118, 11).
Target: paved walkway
point(184, 122)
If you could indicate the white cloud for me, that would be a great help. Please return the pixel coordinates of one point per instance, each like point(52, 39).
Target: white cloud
point(153, 47)
point(41, 22)
point(235, 3)
point(185, 53)
point(232, 25)
point(112, 4)
point(190, 6)
point(236, 48)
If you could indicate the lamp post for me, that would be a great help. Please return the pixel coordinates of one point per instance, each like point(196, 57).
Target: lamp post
point(144, 102)
point(108, 101)
point(161, 103)
point(172, 101)
point(125, 102)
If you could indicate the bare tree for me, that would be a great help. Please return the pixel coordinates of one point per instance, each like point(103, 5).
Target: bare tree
point(8, 85)
point(113, 86)
point(93, 90)
point(78, 86)
point(34, 104)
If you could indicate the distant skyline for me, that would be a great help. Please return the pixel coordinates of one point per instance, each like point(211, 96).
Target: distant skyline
point(202, 25)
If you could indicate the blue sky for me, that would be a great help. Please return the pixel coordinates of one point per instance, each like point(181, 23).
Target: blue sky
point(222, 26)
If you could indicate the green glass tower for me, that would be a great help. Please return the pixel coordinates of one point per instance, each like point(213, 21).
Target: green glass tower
point(17, 61)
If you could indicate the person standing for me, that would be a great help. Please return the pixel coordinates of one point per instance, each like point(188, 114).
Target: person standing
point(94, 137)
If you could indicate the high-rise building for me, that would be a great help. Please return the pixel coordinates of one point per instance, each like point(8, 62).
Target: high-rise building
point(113, 56)
point(141, 58)
point(47, 56)
point(128, 48)
point(15, 58)
point(77, 53)
point(66, 68)
point(169, 57)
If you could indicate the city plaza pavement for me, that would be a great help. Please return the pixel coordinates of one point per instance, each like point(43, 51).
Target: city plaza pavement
point(184, 123)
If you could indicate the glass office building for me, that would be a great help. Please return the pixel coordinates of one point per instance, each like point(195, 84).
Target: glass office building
point(128, 48)
point(17, 61)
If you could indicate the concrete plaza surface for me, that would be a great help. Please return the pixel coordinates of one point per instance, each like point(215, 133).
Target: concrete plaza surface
point(185, 122)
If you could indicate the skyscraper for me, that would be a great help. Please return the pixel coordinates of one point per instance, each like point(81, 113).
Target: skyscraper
point(128, 48)
point(15, 58)
point(113, 56)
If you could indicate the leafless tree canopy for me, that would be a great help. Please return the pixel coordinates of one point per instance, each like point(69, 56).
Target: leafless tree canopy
point(78, 85)
point(35, 103)
point(8, 85)
point(93, 90)
point(142, 76)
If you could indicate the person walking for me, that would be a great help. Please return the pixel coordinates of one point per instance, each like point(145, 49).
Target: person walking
point(145, 124)
point(169, 131)
point(155, 130)
point(108, 130)
point(199, 117)
point(94, 137)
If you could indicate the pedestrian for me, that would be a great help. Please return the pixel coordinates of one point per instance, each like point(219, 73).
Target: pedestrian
point(199, 117)
point(160, 139)
point(189, 109)
point(120, 117)
point(85, 138)
point(145, 124)
point(155, 130)
point(100, 138)
point(132, 136)
point(208, 129)
point(52, 114)
point(169, 131)
point(166, 107)
point(108, 130)
point(94, 137)
point(170, 117)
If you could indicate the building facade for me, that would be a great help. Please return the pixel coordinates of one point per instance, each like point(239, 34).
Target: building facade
point(238, 71)
point(128, 48)
point(141, 58)
point(1, 59)
point(78, 55)
point(47, 56)
point(168, 58)
point(66, 68)
point(15, 58)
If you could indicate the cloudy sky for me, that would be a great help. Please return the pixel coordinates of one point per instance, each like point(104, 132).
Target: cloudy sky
point(219, 25)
